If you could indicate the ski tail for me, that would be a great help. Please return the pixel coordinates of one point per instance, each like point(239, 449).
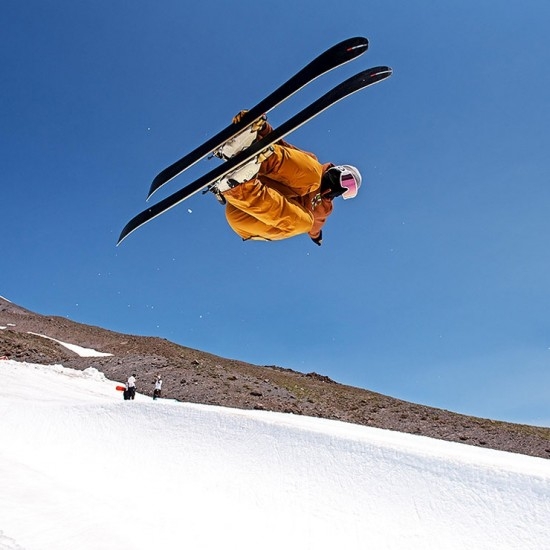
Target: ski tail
point(350, 86)
point(335, 56)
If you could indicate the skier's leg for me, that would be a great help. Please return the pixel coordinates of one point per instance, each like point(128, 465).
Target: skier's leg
point(300, 172)
point(248, 227)
point(256, 210)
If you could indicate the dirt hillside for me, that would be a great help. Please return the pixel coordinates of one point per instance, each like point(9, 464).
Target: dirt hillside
point(199, 377)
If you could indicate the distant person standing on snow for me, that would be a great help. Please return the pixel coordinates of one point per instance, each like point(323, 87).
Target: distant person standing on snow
point(158, 387)
point(131, 386)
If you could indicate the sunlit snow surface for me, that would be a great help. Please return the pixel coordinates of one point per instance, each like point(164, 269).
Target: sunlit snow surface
point(82, 469)
point(79, 350)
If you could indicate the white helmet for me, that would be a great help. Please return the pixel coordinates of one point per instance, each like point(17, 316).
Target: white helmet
point(350, 180)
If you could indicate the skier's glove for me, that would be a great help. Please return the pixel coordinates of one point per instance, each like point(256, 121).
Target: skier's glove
point(256, 126)
point(318, 240)
point(237, 118)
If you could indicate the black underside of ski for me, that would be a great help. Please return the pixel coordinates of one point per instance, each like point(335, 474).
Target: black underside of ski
point(346, 88)
point(330, 59)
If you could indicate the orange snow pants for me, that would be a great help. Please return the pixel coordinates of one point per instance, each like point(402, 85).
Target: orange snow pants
point(272, 206)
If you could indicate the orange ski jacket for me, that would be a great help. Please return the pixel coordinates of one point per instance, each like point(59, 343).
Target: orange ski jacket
point(284, 200)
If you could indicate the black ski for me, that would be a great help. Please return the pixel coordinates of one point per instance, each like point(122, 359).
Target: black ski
point(346, 88)
point(330, 59)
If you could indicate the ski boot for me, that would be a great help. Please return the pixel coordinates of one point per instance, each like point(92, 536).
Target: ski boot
point(242, 140)
point(246, 172)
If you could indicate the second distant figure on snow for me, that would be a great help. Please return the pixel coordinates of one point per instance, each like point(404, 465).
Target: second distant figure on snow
point(158, 387)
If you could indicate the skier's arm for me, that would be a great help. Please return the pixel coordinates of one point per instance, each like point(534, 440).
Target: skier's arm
point(320, 215)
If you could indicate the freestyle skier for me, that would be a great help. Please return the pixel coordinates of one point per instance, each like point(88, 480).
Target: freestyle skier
point(282, 193)
point(271, 189)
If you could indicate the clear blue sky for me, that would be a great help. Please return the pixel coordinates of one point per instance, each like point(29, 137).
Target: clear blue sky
point(431, 286)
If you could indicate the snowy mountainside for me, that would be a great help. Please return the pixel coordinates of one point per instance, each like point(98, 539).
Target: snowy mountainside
point(84, 469)
point(194, 376)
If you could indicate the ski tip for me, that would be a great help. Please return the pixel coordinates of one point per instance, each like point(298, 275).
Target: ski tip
point(155, 186)
point(121, 237)
point(378, 73)
point(128, 228)
point(360, 44)
point(352, 47)
point(385, 71)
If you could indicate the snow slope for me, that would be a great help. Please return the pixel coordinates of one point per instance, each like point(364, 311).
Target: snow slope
point(81, 468)
point(79, 350)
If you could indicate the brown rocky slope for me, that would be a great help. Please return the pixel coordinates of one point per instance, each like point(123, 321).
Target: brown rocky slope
point(195, 376)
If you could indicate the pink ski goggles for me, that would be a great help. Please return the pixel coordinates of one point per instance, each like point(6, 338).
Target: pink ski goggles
point(349, 183)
